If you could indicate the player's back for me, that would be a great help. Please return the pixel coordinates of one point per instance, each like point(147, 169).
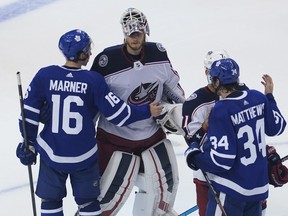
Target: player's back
point(243, 113)
point(241, 146)
point(69, 135)
point(249, 107)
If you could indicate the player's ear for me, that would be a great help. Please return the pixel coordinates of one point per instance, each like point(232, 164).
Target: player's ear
point(82, 56)
point(215, 82)
point(206, 71)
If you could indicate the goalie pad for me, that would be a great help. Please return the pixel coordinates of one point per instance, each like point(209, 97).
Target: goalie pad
point(159, 182)
point(118, 181)
point(171, 119)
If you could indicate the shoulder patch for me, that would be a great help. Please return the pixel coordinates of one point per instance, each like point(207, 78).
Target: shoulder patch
point(160, 47)
point(192, 97)
point(103, 60)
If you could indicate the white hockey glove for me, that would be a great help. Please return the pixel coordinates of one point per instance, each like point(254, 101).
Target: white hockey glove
point(171, 119)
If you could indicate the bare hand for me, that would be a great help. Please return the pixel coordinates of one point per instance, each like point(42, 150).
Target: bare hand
point(205, 124)
point(155, 108)
point(268, 84)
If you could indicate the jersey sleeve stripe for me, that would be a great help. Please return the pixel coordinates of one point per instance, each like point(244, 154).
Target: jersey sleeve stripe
point(214, 154)
point(127, 117)
point(30, 121)
point(31, 109)
point(109, 118)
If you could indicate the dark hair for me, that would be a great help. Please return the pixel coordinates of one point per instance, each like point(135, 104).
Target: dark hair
point(228, 87)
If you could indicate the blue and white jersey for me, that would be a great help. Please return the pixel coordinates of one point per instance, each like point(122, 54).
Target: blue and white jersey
point(234, 156)
point(194, 111)
point(75, 97)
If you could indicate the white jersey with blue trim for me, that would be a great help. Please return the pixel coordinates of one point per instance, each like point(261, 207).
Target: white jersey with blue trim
point(235, 155)
point(74, 97)
point(137, 82)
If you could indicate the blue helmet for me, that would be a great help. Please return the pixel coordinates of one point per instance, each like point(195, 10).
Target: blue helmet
point(74, 42)
point(226, 70)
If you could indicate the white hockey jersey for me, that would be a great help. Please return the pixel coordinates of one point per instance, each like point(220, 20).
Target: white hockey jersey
point(136, 82)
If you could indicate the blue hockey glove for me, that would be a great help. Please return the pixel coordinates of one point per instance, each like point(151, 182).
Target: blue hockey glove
point(26, 156)
point(194, 148)
point(44, 113)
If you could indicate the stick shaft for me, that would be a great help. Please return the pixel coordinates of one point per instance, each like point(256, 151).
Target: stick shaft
point(26, 141)
point(284, 158)
point(214, 194)
point(189, 211)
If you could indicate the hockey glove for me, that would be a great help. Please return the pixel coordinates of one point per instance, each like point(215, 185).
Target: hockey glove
point(193, 149)
point(277, 172)
point(170, 119)
point(26, 156)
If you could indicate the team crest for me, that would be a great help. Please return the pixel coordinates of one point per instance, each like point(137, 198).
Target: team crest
point(160, 47)
point(144, 93)
point(192, 97)
point(103, 60)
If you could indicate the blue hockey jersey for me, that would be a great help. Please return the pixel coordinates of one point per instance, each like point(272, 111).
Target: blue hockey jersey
point(75, 97)
point(194, 111)
point(234, 156)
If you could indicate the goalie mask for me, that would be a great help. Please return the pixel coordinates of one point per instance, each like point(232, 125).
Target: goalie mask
point(134, 20)
point(214, 56)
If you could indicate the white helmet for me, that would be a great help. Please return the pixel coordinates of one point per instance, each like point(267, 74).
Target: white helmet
point(133, 20)
point(214, 56)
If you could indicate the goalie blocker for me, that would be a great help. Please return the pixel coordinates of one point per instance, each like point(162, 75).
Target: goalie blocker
point(157, 186)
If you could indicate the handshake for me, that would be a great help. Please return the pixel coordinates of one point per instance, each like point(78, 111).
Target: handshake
point(27, 155)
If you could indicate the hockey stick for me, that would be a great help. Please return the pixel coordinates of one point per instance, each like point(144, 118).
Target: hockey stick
point(284, 158)
point(189, 211)
point(214, 194)
point(26, 141)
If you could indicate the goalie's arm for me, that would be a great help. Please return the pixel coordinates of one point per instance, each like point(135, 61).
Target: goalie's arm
point(176, 94)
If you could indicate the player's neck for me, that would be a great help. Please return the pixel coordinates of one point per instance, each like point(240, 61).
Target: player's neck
point(211, 88)
point(224, 93)
point(132, 55)
point(136, 50)
point(73, 64)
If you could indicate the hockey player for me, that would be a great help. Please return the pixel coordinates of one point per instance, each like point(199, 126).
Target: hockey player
point(67, 144)
point(138, 154)
point(236, 145)
point(194, 111)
